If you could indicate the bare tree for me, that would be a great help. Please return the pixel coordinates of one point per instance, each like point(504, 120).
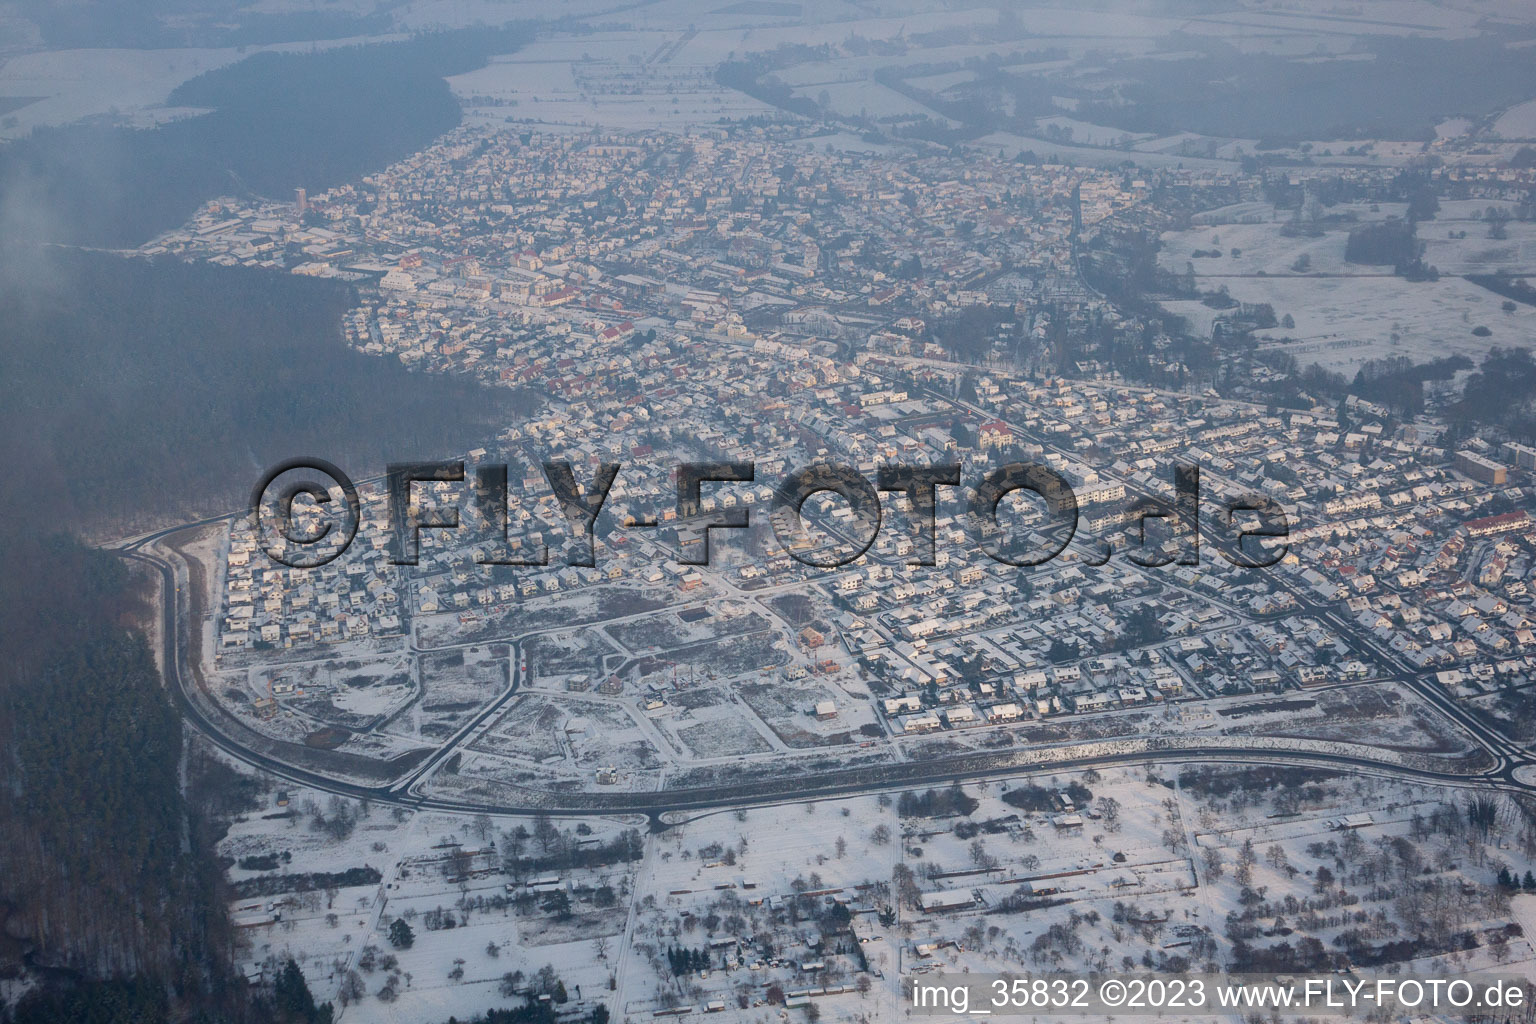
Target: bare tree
point(1213, 861)
point(1109, 808)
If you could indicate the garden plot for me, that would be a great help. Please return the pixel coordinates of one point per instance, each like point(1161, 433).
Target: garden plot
point(323, 865)
point(711, 876)
point(547, 931)
point(441, 875)
point(454, 970)
point(1057, 867)
point(1113, 846)
point(1247, 866)
point(1405, 851)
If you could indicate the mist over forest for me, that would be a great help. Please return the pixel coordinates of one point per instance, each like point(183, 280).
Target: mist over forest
point(137, 391)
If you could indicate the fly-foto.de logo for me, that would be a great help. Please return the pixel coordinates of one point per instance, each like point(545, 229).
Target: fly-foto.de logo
point(1254, 527)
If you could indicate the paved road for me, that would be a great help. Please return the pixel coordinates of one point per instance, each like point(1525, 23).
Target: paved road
point(1502, 772)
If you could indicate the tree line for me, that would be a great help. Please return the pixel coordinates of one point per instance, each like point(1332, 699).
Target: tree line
point(109, 880)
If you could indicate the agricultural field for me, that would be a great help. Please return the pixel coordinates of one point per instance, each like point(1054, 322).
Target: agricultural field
point(1345, 314)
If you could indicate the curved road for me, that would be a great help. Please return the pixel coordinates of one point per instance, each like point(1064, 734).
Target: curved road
point(1511, 768)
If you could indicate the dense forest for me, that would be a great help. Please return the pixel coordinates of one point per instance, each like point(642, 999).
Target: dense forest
point(1500, 392)
point(135, 392)
point(277, 121)
point(1398, 383)
point(109, 889)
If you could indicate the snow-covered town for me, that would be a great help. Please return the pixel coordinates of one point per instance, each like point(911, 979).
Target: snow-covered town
point(784, 505)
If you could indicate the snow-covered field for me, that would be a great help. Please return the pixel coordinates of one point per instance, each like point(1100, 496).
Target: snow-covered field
point(69, 85)
point(862, 98)
point(1343, 321)
point(1149, 867)
point(626, 79)
point(1091, 134)
point(1009, 144)
point(1354, 313)
point(327, 931)
point(1518, 122)
point(74, 84)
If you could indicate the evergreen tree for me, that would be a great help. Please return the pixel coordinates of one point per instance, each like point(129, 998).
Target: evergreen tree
point(292, 995)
